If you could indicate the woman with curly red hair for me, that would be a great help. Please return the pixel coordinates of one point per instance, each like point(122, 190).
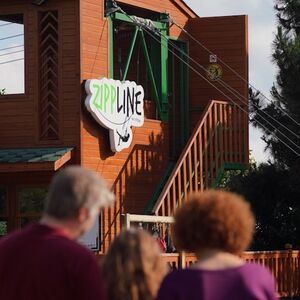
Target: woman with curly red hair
point(133, 267)
point(217, 226)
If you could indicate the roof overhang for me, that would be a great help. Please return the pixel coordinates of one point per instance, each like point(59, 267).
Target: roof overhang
point(34, 159)
point(179, 3)
point(186, 8)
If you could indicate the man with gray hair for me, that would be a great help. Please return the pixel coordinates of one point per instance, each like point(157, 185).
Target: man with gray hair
point(44, 261)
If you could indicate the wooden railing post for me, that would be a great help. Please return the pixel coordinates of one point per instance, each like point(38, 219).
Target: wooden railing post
point(182, 260)
point(289, 270)
point(127, 221)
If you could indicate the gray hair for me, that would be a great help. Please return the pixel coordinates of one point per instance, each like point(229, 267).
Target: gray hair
point(75, 187)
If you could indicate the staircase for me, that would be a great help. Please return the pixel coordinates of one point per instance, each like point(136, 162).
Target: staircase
point(219, 143)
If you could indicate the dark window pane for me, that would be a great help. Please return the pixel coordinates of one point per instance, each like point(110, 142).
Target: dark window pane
point(31, 200)
point(3, 200)
point(3, 226)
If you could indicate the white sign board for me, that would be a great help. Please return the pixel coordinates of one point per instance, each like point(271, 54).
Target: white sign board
point(116, 106)
point(91, 238)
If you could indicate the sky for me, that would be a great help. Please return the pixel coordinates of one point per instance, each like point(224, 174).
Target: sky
point(12, 72)
point(262, 25)
point(261, 33)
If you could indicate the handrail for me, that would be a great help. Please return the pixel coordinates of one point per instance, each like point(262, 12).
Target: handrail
point(220, 137)
point(284, 265)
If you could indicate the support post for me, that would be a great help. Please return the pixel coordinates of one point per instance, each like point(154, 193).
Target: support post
point(127, 221)
point(182, 262)
point(111, 47)
point(164, 77)
point(150, 71)
point(130, 52)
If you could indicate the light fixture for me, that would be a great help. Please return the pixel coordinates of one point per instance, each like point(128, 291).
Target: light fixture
point(38, 2)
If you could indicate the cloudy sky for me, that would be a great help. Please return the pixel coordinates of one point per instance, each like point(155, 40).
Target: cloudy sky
point(262, 26)
point(261, 32)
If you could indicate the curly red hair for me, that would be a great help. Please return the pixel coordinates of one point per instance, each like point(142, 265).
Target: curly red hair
point(214, 220)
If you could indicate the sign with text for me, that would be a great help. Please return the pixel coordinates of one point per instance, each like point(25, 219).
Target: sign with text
point(116, 106)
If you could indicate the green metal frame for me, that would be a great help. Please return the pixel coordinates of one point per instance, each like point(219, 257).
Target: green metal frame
point(227, 167)
point(121, 17)
point(184, 105)
point(184, 90)
point(151, 74)
point(111, 47)
point(159, 86)
point(130, 52)
point(164, 75)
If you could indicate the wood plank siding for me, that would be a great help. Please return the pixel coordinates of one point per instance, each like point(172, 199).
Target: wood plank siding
point(227, 37)
point(20, 114)
point(133, 173)
point(51, 112)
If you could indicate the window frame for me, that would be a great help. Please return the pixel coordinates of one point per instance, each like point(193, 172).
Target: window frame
point(24, 95)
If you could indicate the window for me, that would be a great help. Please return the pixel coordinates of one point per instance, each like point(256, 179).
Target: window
point(30, 204)
point(12, 64)
point(3, 212)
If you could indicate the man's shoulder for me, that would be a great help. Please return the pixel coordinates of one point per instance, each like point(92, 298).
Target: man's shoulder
point(45, 240)
point(14, 237)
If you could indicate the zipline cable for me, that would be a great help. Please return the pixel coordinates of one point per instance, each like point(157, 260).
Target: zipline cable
point(14, 52)
point(1, 25)
point(10, 61)
point(230, 99)
point(157, 32)
point(2, 49)
point(224, 84)
point(232, 90)
point(203, 77)
point(10, 37)
point(235, 72)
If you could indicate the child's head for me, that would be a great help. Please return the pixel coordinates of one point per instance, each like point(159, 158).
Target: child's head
point(133, 267)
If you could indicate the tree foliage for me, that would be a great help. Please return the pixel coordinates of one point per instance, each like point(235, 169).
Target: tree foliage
point(285, 91)
point(274, 188)
point(274, 196)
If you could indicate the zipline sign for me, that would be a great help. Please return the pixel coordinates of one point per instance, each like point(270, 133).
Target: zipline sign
point(116, 106)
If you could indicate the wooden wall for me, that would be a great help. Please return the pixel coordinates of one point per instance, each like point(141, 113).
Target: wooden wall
point(83, 54)
point(19, 114)
point(228, 38)
point(135, 172)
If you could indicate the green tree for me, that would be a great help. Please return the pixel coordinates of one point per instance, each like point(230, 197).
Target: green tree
point(274, 195)
point(274, 188)
point(285, 91)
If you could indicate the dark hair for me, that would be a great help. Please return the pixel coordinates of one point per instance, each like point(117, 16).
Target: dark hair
point(133, 267)
point(214, 220)
point(75, 187)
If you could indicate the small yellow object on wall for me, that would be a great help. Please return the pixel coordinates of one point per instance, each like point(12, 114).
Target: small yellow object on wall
point(214, 72)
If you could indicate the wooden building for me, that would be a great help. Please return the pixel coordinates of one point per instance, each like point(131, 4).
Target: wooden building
point(186, 141)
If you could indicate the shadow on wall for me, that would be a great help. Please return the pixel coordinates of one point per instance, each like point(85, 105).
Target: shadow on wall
point(135, 184)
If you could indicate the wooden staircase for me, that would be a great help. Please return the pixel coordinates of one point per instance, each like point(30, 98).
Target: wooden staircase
point(219, 143)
